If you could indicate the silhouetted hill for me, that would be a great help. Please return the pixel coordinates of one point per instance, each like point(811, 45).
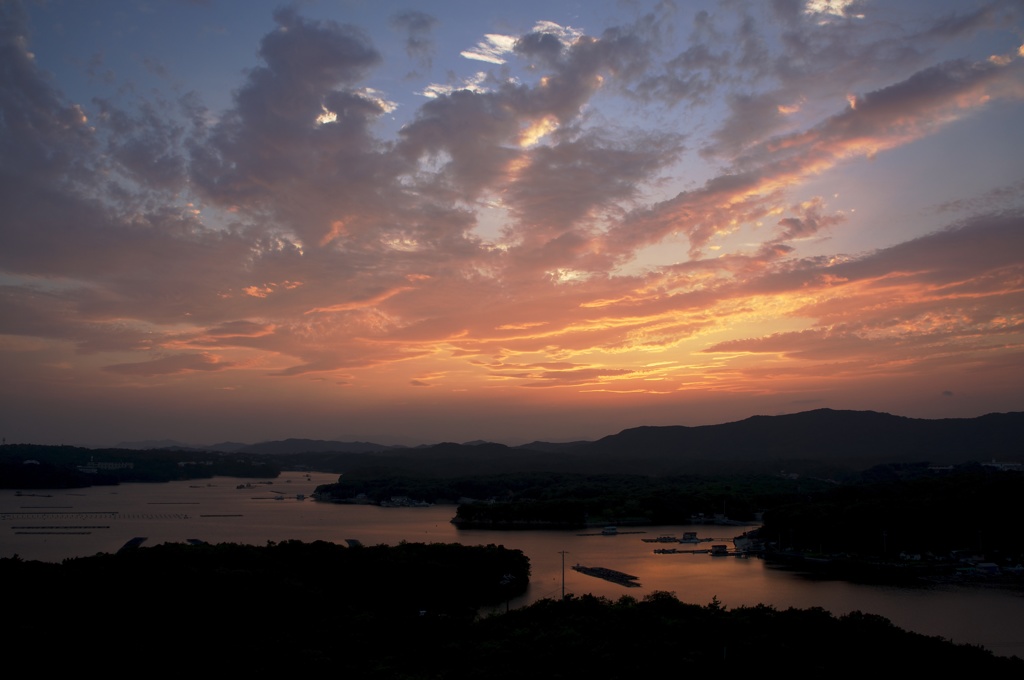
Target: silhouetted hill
point(553, 446)
point(227, 447)
point(821, 443)
point(152, 444)
point(276, 447)
point(850, 438)
point(290, 446)
point(449, 459)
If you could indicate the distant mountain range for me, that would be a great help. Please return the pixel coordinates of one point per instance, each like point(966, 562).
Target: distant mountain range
point(280, 447)
point(848, 439)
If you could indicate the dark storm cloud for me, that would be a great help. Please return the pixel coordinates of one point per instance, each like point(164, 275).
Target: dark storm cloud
point(689, 77)
point(67, 217)
point(988, 15)
point(752, 117)
point(277, 154)
point(145, 145)
point(41, 136)
point(473, 129)
point(419, 43)
point(476, 129)
point(567, 181)
point(545, 47)
point(1004, 196)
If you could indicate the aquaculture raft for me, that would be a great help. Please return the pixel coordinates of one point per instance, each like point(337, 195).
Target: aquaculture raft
point(623, 579)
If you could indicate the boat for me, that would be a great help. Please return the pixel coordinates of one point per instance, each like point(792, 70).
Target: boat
point(132, 544)
point(746, 543)
point(612, 575)
point(609, 531)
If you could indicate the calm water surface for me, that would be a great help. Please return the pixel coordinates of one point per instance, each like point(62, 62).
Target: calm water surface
point(57, 524)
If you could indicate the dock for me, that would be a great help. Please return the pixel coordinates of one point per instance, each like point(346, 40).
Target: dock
point(715, 551)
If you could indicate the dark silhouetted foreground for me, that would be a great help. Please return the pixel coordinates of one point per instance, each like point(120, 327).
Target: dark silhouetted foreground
point(410, 611)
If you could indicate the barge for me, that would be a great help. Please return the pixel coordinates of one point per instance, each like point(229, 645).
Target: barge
point(621, 578)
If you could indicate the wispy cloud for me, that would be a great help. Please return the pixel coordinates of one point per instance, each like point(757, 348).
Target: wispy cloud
point(492, 49)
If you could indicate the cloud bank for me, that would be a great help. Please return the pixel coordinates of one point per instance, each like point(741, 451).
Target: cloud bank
point(612, 213)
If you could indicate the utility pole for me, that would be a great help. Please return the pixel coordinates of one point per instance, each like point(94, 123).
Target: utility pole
point(563, 573)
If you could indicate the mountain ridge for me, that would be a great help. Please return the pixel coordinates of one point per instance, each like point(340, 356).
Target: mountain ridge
point(845, 437)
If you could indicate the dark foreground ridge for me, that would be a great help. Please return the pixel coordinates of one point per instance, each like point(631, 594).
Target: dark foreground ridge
point(411, 611)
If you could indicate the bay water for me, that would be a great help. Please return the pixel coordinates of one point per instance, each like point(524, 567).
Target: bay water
point(52, 525)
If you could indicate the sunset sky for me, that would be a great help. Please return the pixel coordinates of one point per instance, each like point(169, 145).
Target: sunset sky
point(412, 222)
